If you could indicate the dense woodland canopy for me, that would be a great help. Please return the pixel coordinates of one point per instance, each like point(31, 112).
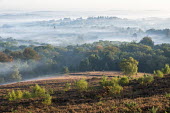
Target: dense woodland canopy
point(23, 62)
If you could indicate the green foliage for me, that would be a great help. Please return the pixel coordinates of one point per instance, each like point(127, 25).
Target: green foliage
point(116, 89)
point(153, 110)
point(129, 66)
point(27, 95)
point(67, 86)
point(166, 69)
point(15, 95)
point(114, 81)
point(159, 73)
point(130, 104)
point(19, 94)
point(37, 91)
point(124, 80)
point(81, 85)
point(146, 79)
point(47, 99)
point(12, 96)
point(65, 70)
point(112, 85)
point(15, 75)
point(104, 81)
point(167, 95)
point(147, 41)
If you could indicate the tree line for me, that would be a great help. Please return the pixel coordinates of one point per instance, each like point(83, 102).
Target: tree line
point(25, 62)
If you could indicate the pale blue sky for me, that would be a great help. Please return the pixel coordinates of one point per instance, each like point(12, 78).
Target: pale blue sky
point(85, 5)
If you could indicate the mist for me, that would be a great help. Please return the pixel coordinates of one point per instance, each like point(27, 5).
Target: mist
point(58, 36)
point(71, 28)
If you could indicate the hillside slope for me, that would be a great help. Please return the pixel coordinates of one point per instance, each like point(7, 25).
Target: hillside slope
point(134, 98)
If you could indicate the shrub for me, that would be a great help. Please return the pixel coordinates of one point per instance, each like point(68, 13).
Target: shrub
point(19, 94)
point(27, 94)
point(141, 80)
point(15, 95)
point(104, 81)
point(47, 99)
point(166, 69)
point(114, 81)
point(67, 86)
point(37, 91)
point(116, 89)
point(146, 80)
point(159, 73)
point(12, 96)
point(167, 95)
point(153, 110)
point(124, 81)
point(81, 85)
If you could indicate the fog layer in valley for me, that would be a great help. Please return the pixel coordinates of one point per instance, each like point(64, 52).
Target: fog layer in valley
point(67, 28)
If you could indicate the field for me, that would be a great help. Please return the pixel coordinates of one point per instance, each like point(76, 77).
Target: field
point(135, 98)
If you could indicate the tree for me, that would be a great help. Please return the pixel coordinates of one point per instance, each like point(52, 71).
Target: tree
point(5, 58)
point(15, 74)
point(65, 70)
point(29, 53)
point(147, 41)
point(85, 65)
point(129, 66)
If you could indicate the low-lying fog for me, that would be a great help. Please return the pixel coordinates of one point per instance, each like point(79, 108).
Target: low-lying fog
point(65, 28)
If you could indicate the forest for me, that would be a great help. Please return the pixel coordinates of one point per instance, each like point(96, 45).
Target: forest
point(21, 62)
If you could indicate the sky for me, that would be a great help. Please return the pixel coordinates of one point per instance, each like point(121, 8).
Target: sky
point(85, 5)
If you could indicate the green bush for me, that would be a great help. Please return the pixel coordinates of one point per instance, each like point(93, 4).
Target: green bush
point(27, 94)
point(67, 86)
point(146, 80)
point(104, 81)
point(37, 91)
point(153, 110)
point(114, 81)
point(47, 99)
point(81, 85)
point(19, 94)
point(159, 73)
point(166, 69)
point(12, 96)
point(124, 80)
point(167, 95)
point(15, 95)
point(116, 89)
point(141, 80)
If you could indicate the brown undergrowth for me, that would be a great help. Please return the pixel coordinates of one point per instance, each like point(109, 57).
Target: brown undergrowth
point(135, 98)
